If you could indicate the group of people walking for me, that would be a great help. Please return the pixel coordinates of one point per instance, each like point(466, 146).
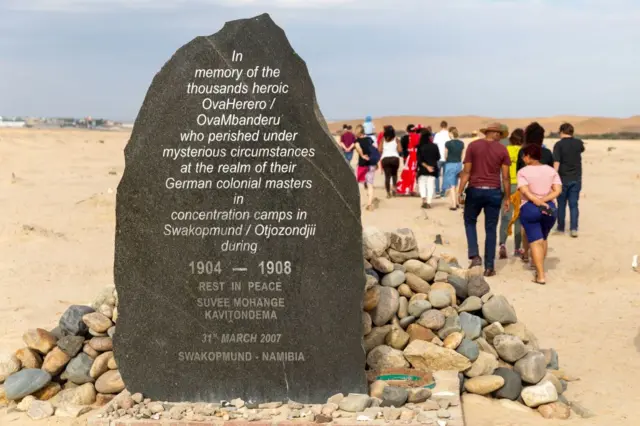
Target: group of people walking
point(420, 163)
point(513, 178)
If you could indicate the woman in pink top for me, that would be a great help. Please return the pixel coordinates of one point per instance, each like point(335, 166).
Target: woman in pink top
point(539, 185)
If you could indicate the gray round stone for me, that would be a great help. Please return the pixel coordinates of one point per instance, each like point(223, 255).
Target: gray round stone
point(354, 403)
point(393, 279)
point(498, 309)
point(471, 325)
point(402, 240)
point(554, 363)
point(461, 286)
point(71, 345)
point(71, 323)
point(478, 286)
point(366, 323)
point(78, 369)
point(531, 367)
point(451, 325)
point(440, 298)
point(417, 307)
point(387, 306)
point(399, 267)
point(432, 319)
point(384, 356)
point(512, 384)
point(407, 321)
point(393, 396)
point(469, 349)
point(510, 348)
point(25, 382)
point(471, 304)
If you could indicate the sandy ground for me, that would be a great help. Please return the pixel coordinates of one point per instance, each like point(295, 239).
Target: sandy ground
point(56, 249)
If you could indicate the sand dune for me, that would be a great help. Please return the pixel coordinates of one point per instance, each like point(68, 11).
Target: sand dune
point(468, 123)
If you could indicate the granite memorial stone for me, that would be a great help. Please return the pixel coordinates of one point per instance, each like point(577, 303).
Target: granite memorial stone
point(238, 248)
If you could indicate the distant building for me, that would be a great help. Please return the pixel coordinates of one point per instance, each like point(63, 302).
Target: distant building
point(6, 122)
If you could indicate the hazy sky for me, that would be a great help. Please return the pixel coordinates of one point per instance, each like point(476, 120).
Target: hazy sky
point(381, 57)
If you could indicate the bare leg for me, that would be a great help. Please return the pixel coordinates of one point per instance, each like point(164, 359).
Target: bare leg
point(525, 246)
point(538, 255)
point(370, 196)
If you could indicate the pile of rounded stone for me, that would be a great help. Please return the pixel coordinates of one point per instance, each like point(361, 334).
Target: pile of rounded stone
point(338, 408)
point(69, 370)
point(427, 312)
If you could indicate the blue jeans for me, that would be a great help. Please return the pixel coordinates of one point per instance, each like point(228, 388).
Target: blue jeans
point(477, 200)
point(348, 156)
point(571, 194)
point(441, 167)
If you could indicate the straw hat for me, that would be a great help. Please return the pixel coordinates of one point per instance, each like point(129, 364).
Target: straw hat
point(496, 127)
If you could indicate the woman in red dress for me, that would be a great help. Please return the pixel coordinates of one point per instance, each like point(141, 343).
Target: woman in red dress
point(407, 182)
point(380, 137)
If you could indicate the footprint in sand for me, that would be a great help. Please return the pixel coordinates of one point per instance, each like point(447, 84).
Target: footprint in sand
point(636, 341)
point(38, 230)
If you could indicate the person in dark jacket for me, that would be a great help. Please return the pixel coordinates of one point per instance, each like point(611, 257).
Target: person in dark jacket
point(428, 156)
point(534, 134)
point(567, 153)
point(404, 142)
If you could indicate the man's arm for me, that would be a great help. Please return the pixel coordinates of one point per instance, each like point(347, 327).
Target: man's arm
point(556, 156)
point(464, 178)
point(341, 142)
point(506, 182)
point(465, 174)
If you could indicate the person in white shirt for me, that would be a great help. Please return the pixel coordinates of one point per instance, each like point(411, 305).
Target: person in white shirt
point(440, 139)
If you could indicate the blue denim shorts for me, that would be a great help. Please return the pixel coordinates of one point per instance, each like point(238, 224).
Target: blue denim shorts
point(536, 224)
point(451, 174)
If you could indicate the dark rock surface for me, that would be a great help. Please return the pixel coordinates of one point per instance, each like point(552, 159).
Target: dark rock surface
point(174, 316)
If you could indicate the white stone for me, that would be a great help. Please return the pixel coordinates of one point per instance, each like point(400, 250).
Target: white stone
point(543, 393)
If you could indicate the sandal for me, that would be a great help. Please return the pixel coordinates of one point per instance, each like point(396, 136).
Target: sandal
point(524, 256)
point(536, 281)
